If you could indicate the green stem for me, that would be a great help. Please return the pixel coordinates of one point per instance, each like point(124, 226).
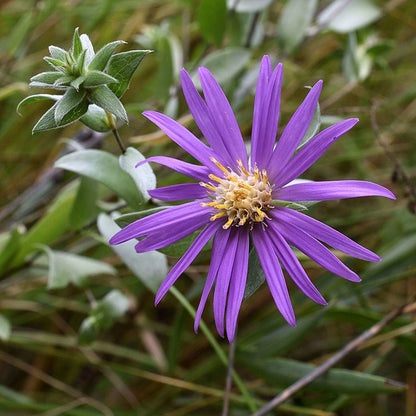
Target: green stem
point(114, 130)
point(220, 353)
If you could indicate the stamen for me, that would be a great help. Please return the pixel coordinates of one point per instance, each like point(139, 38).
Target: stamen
point(208, 204)
point(215, 178)
point(242, 196)
point(243, 169)
point(219, 215)
point(227, 225)
point(225, 170)
point(220, 206)
point(208, 186)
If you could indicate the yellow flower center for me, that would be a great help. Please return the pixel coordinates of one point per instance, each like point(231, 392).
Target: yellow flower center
point(244, 196)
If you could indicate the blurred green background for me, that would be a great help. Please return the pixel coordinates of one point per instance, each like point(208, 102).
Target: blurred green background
point(146, 360)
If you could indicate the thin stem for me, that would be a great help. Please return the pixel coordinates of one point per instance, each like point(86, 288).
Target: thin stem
point(324, 367)
point(228, 380)
point(114, 130)
point(211, 339)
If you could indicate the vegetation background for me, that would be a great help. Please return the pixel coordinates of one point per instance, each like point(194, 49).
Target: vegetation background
point(99, 347)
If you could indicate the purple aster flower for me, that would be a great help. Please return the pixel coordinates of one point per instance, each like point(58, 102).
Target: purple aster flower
point(237, 196)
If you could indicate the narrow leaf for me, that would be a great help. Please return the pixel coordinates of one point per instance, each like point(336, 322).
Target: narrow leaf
point(5, 328)
point(65, 268)
point(212, 15)
point(46, 77)
point(284, 372)
point(76, 44)
point(102, 57)
point(107, 100)
point(143, 175)
point(67, 105)
point(95, 78)
point(150, 268)
point(104, 168)
point(57, 53)
point(294, 22)
point(37, 97)
point(122, 66)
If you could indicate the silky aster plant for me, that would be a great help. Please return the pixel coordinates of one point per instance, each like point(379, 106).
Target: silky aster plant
point(237, 196)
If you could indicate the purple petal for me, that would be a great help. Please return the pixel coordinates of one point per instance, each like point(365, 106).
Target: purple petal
point(273, 273)
point(314, 249)
point(200, 113)
point(294, 131)
point(223, 280)
point(173, 233)
point(259, 105)
point(222, 115)
point(186, 259)
point(160, 220)
point(238, 282)
point(179, 192)
point(199, 173)
point(181, 136)
point(312, 151)
point(325, 233)
point(294, 268)
point(327, 190)
point(219, 246)
point(266, 119)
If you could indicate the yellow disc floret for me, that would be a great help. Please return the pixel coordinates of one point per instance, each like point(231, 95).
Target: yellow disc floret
point(243, 196)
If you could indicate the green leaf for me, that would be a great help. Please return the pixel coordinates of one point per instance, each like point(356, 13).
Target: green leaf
point(248, 6)
point(345, 17)
point(122, 66)
point(143, 175)
point(46, 77)
point(356, 62)
point(284, 372)
point(65, 268)
point(55, 63)
point(294, 22)
point(71, 106)
point(113, 306)
point(102, 57)
point(47, 121)
point(57, 53)
point(5, 328)
point(37, 97)
point(49, 227)
point(76, 83)
point(96, 119)
point(150, 268)
point(104, 168)
point(76, 44)
point(88, 331)
point(313, 127)
point(95, 78)
point(255, 274)
point(85, 207)
point(284, 338)
point(212, 16)
point(224, 64)
point(16, 37)
point(9, 246)
point(107, 100)
point(88, 48)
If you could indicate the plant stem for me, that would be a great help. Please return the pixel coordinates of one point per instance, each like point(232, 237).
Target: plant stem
point(228, 380)
point(113, 127)
point(221, 355)
point(324, 367)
